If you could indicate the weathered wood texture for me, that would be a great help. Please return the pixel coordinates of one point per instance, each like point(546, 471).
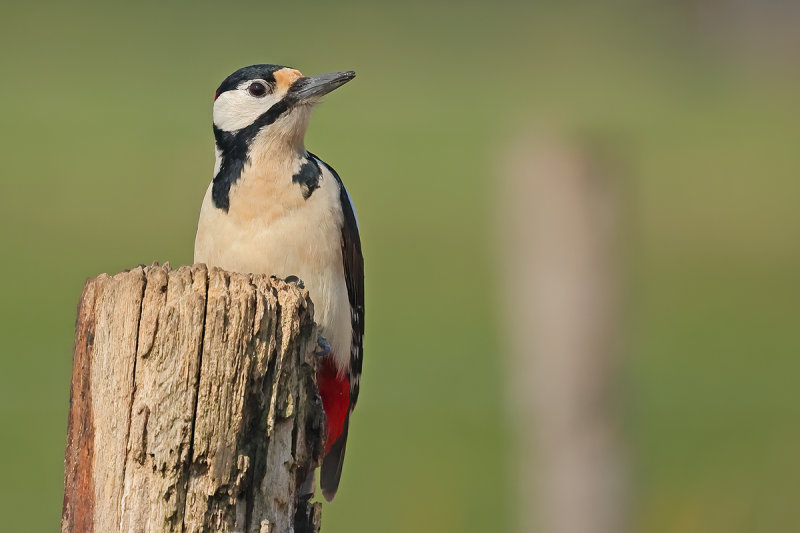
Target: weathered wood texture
point(193, 405)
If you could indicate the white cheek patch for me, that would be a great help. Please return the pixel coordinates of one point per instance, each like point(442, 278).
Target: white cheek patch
point(237, 109)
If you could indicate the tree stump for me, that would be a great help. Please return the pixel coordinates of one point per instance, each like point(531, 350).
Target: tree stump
point(194, 405)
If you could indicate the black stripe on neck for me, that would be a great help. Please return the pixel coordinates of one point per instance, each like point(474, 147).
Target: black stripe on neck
point(308, 177)
point(235, 148)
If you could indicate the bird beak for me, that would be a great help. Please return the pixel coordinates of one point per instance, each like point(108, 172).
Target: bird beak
point(314, 87)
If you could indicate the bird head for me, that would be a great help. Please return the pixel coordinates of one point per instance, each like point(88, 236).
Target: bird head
point(271, 102)
point(261, 114)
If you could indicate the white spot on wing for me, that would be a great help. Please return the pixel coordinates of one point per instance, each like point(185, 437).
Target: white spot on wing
point(217, 159)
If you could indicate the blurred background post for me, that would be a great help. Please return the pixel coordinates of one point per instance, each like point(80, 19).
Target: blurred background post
point(560, 259)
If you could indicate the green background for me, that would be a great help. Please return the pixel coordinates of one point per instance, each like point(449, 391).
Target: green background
point(107, 150)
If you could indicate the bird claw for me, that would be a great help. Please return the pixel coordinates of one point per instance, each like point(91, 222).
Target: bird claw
point(323, 348)
point(297, 281)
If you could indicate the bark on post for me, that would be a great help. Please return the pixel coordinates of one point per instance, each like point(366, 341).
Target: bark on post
point(194, 405)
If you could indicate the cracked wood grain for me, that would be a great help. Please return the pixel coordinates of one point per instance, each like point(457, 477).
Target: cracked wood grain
point(194, 405)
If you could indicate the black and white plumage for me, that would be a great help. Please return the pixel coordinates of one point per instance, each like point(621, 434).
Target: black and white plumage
point(275, 208)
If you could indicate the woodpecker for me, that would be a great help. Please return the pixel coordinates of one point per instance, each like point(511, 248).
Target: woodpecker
point(274, 208)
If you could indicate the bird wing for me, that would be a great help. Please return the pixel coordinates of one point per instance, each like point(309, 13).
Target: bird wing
point(354, 278)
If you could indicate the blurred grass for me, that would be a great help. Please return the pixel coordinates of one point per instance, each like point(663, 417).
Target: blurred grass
point(107, 152)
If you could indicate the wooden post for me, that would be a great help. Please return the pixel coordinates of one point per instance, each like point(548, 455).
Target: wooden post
point(194, 405)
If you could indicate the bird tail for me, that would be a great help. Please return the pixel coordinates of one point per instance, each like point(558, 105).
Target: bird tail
point(331, 471)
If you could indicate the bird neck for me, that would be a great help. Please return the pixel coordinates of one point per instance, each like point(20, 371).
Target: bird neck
point(264, 189)
point(269, 154)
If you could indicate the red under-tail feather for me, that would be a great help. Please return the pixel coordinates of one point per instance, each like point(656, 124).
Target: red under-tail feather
point(335, 392)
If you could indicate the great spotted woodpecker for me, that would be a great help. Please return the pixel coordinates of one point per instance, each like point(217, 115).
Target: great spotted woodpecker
point(275, 208)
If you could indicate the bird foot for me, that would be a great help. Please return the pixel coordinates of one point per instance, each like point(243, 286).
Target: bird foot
point(323, 348)
point(297, 281)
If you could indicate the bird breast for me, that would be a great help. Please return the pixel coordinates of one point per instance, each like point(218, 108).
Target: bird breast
point(270, 228)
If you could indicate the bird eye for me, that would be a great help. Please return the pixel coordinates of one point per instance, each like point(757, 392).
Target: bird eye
point(257, 89)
